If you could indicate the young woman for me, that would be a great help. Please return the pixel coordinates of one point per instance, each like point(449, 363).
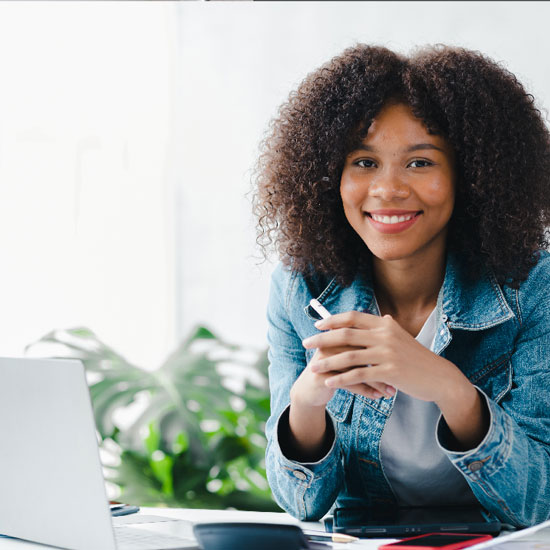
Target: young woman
point(410, 196)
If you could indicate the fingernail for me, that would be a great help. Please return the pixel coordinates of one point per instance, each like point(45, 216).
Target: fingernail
point(330, 382)
point(314, 367)
point(390, 390)
point(319, 324)
point(305, 342)
point(377, 395)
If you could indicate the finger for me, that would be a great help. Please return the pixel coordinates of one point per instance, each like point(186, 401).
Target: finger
point(359, 375)
point(356, 319)
point(373, 390)
point(321, 353)
point(345, 360)
point(383, 389)
point(365, 390)
point(340, 337)
point(375, 387)
point(324, 366)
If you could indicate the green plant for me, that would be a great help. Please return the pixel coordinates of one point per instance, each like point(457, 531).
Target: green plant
point(189, 434)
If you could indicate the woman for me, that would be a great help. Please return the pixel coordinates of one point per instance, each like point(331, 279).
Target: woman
point(410, 196)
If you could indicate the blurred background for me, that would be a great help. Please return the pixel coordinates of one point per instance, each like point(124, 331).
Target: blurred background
point(128, 131)
point(128, 136)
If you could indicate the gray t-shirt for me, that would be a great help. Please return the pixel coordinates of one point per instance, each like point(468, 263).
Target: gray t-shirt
point(419, 473)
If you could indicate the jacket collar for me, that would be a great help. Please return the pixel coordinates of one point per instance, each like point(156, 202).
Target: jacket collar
point(468, 304)
point(463, 303)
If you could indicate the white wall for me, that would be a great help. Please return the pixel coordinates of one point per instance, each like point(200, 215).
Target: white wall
point(85, 124)
point(127, 135)
point(238, 62)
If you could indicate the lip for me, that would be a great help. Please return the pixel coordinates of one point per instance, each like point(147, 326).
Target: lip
point(392, 212)
point(394, 227)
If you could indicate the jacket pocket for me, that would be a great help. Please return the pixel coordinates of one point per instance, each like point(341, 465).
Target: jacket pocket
point(495, 378)
point(340, 405)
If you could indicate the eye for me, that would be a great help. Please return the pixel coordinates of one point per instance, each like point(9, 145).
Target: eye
point(364, 163)
point(420, 163)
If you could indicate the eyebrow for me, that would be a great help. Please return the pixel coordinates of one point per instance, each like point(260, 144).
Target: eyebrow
point(416, 147)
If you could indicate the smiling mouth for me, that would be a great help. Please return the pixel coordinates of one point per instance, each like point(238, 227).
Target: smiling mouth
point(390, 220)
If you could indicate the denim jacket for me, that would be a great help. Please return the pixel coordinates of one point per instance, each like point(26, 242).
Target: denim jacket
point(497, 336)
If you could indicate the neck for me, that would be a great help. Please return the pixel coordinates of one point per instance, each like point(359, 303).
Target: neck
point(408, 286)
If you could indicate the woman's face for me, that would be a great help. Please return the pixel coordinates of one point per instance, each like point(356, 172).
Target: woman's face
point(397, 188)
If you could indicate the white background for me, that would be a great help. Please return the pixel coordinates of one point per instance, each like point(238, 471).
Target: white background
point(128, 133)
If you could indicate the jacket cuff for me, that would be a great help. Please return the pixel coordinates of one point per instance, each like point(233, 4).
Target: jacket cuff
point(305, 471)
point(490, 454)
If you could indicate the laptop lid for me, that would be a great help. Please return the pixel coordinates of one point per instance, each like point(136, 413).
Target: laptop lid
point(51, 482)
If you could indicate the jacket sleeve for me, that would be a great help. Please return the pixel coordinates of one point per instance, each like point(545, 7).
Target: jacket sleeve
point(304, 490)
point(509, 471)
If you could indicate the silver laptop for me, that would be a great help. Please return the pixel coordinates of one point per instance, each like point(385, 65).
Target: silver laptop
point(51, 483)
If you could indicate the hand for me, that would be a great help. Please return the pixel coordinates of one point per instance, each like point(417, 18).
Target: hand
point(310, 389)
point(311, 386)
point(385, 354)
point(310, 436)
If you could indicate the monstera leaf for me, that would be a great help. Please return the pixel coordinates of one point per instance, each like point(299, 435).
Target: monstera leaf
point(187, 434)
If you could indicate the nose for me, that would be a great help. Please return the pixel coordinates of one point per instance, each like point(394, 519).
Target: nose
point(388, 185)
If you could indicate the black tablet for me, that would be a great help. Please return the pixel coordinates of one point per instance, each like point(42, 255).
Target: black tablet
point(404, 522)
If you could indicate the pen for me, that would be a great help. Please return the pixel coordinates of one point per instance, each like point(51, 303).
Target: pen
point(334, 537)
point(319, 308)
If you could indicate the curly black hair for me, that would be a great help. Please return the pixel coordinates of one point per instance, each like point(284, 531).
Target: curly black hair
point(499, 137)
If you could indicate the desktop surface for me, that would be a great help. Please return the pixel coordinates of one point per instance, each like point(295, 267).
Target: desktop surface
point(538, 539)
point(203, 516)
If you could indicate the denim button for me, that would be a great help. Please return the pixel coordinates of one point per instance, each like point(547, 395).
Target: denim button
point(475, 466)
point(299, 475)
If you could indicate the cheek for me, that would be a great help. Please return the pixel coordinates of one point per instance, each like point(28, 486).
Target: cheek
point(439, 193)
point(351, 192)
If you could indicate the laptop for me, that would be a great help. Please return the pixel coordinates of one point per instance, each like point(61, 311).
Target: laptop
point(52, 489)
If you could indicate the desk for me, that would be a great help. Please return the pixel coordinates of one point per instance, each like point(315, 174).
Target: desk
point(201, 516)
point(538, 539)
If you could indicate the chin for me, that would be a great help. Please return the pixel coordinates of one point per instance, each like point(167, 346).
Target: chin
point(390, 253)
point(391, 257)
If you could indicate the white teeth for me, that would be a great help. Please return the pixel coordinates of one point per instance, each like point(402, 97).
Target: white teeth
point(392, 219)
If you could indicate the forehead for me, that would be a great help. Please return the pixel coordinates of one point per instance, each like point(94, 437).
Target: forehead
point(396, 124)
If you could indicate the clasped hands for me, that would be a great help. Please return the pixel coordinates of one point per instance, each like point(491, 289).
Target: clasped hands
point(372, 356)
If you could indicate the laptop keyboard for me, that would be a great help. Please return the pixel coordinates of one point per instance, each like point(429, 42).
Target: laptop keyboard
point(138, 539)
